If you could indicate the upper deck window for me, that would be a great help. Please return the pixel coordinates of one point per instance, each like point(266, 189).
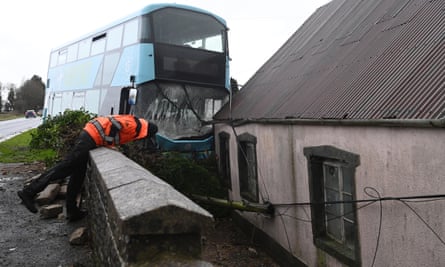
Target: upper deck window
point(114, 38)
point(72, 52)
point(188, 28)
point(84, 48)
point(53, 60)
point(131, 32)
point(98, 44)
point(62, 57)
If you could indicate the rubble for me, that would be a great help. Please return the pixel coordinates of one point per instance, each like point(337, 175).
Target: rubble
point(51, 211)
point(79, 237)
point(48, 195)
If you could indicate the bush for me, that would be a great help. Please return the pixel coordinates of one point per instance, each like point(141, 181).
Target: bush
point(60, 132)
point(187, 175)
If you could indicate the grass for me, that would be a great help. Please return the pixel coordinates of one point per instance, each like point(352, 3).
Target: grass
point(17, 149)
point(10, 116)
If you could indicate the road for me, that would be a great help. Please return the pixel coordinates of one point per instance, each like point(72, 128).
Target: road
point(10, 128)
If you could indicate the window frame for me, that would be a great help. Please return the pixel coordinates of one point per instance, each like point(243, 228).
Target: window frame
point(224, 159)
point(317, 158)
point(245, 171)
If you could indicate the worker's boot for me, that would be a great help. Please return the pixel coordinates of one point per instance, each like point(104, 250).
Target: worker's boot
point(28, 194)
point(27, 200)
point(73, 213)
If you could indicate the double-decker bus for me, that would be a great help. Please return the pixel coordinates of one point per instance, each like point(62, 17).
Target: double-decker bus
point(173, 57)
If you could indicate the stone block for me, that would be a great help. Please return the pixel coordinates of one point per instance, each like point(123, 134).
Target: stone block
point(79, 236)
point(51, 211)
point(48, 195)
point(137, 216)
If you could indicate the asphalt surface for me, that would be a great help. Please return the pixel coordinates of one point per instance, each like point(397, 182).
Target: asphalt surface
point(11, 128)
point(25, 238)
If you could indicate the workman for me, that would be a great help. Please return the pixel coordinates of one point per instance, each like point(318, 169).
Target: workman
point(106, 131)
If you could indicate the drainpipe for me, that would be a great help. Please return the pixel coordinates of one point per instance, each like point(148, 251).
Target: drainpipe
point(265, 208)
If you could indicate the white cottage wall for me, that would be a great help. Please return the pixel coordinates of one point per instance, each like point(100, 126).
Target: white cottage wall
point(397, 162)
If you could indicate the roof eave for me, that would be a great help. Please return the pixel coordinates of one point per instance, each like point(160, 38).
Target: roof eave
point(409, 123)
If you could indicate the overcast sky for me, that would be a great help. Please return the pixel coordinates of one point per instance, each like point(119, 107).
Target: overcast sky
point(29, 29)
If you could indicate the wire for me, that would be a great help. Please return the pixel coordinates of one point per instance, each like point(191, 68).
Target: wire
point(330, 219)
point(366, 189)
point(245, 157)
point(424, 222)
point(285, 232)
point(375, 197)
point(429, 197)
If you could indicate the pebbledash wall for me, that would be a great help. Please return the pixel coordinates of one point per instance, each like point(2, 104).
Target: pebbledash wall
point(396, 161)
point(136, 219)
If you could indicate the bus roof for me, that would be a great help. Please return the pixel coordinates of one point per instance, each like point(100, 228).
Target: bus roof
point(146, 10)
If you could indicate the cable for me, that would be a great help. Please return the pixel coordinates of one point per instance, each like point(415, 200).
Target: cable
point(375, 197)
point(380, 219)
point(285, 232)
point(245, 157)
point(424, 222)
point(429, 197)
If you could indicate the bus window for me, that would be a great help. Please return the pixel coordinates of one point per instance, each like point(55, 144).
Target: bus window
point(53, 60)
point(62, 57)
point(84, 48)
point(114, 38)
point(184, 28)
point(98, 44)
point(110, 63)
point(131, 32)
point(72, 53)
point(146, 29)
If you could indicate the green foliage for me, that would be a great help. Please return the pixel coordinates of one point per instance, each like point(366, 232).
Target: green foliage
point(187, 175)
point(17, 149)
point(60, 132)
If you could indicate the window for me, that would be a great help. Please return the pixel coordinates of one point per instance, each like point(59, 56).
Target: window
point(98, 44)
point(114, 38)
point(247, 167)
point(53, 60)
point(224, 159)
point(211, 107)
point(189, 29)
point(131, 32)
point(332, 183)
point(72, 52)
point(84, 48)
point(62, 56)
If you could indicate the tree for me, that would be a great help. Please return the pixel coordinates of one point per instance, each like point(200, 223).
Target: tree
point(30, 95)
point(234, 85)
point(11, 97)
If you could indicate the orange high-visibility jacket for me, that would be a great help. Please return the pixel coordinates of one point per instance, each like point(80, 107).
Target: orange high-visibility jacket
point(116, 129)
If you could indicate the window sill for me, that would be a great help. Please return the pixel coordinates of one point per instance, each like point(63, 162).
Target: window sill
point(338, 251)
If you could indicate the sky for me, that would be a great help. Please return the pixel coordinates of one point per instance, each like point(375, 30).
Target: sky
point(29, 29)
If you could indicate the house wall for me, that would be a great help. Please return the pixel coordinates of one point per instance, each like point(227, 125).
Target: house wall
point(397, 162)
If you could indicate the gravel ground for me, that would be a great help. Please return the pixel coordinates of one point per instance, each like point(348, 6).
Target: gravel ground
point(28, 240)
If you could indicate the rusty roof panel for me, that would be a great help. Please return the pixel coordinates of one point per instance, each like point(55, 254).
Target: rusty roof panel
point(372, 59)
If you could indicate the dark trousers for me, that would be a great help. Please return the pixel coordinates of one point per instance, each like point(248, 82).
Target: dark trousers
point(74, 165)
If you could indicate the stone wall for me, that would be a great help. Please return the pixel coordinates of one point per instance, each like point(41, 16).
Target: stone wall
point(136, 219)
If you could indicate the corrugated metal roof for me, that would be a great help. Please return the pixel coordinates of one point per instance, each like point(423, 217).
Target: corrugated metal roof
point(369, 59)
